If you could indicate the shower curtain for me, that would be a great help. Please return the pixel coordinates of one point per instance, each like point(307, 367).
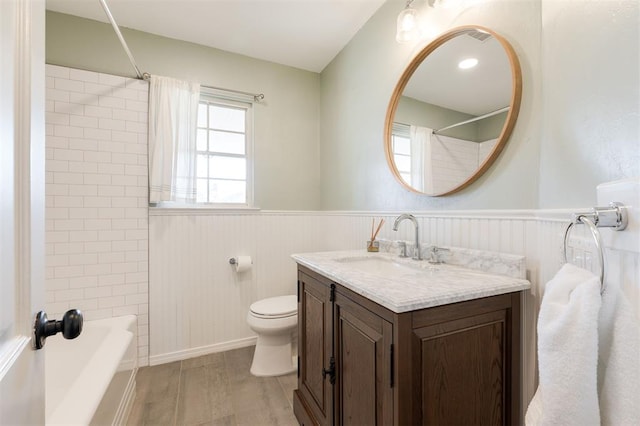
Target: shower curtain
point(421, 151)
point(173, 113)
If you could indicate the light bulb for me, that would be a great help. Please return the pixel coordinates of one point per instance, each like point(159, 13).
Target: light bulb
point(407, 26)
point(465, 64)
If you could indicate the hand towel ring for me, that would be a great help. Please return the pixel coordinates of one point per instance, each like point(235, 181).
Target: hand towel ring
point(596, 237)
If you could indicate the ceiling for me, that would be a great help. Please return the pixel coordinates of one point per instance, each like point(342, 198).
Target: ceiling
point(305, 34)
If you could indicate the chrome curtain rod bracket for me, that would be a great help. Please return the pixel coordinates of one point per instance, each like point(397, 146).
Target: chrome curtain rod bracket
point(480, 117)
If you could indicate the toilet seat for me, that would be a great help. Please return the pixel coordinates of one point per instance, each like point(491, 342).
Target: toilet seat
point(275, 307)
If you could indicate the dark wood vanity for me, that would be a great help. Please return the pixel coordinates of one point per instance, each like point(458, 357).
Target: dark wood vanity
point(363, 364)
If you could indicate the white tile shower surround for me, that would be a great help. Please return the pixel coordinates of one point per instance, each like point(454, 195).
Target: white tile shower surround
point(96, 196)
point(99, 228)
point(455, 159)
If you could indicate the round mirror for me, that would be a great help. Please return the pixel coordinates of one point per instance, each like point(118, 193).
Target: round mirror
point(452, 111)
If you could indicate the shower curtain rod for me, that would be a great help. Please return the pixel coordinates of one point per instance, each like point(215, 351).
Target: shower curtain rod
point(480, 117)
point(116, 28)
point(146, 76)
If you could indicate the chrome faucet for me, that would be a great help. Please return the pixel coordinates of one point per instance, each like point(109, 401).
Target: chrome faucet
point(416, 249)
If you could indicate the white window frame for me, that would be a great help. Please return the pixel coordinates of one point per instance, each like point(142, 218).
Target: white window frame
point(232, 100)
point(402, 131)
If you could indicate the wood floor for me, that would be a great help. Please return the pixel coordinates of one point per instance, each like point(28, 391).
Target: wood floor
point(215, 389)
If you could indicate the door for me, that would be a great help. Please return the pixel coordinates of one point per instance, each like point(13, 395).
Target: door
point(21, 209)
point(466, 357)
point(314, 348)
point(463, 370)
point(364, 358)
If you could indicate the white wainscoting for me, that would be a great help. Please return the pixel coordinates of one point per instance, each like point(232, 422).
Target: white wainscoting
point(199, 305)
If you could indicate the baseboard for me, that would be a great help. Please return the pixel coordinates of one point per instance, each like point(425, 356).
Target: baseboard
point(202, 350)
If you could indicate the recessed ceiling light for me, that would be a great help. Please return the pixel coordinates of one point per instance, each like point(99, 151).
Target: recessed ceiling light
point(467, 63)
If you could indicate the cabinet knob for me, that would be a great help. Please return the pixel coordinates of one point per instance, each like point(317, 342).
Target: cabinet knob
point(331, 371)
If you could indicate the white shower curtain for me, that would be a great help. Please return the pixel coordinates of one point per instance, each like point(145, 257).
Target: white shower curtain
point(421, 170)
point(173, 114)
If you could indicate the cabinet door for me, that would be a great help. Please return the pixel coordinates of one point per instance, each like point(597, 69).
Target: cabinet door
point(463, 370)
point(363, 391)
point(314, 347)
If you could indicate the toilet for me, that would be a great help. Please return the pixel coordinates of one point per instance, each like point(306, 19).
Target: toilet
point(273, 320)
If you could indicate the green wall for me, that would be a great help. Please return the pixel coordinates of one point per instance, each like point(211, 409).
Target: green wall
point(413, 111)
point(578, 124)
point(286, 123)
point(357, 86)
point(319, 138)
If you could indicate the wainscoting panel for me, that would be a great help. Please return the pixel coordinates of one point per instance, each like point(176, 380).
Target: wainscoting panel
point(197, 299)
point(199, 304)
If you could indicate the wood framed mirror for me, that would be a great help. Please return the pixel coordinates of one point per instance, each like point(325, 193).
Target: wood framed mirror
point(452, 111)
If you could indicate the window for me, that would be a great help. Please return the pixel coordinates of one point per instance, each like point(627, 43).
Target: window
point(223, 150)
point(401, 148)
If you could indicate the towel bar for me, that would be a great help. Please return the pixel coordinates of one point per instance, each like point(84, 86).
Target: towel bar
point(614, 216)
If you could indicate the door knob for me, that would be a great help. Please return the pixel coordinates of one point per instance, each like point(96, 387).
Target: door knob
point(70, 326)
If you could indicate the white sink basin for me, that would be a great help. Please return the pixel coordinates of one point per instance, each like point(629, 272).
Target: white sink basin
point(384, 266)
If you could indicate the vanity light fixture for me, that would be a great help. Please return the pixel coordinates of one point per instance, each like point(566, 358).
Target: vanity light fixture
point(465, 64)
point(407, 24)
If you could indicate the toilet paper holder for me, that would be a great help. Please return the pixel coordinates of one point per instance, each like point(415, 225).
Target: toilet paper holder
point(241, 263)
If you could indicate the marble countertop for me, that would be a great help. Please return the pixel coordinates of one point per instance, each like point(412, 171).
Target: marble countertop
point(403, 284)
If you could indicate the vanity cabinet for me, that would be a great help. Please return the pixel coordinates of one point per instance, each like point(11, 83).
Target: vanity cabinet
point(362, 364)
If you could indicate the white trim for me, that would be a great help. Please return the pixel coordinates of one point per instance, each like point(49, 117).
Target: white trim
point(559, 215)
point(10, 353)
point(200, 211)
point(247, 108)
point(202, 350)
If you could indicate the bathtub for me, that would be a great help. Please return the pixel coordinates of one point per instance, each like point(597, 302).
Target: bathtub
point(91, 379)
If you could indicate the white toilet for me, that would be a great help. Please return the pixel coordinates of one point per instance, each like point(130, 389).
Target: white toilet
point(273, 320)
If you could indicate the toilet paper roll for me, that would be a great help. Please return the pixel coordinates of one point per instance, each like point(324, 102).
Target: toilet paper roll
point(243, 263)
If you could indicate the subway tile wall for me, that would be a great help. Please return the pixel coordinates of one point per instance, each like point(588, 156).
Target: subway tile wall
point(96, 213)
point(454, 160)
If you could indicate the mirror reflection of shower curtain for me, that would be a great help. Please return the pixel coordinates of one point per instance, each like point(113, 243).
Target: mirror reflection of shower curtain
point(421, 170)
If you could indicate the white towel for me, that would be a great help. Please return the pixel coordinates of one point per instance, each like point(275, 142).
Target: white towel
point(568, 351)
point(619, 363)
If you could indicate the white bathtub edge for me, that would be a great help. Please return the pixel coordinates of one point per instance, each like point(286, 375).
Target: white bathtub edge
point(91, 378)
point(122, 415)
point(96, 375)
